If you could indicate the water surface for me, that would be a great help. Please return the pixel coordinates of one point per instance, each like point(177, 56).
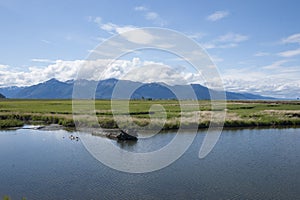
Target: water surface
point(245, 164)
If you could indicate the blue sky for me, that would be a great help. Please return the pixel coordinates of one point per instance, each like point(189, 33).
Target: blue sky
point(255, 44)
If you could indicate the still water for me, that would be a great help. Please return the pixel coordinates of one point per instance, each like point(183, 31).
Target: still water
point(245, 164)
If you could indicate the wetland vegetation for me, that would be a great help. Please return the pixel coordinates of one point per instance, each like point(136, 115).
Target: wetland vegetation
point(14, 113)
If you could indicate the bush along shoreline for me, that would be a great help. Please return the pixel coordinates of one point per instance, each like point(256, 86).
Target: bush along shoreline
point(16, 120)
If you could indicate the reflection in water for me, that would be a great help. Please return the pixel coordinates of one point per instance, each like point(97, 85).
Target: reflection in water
point(147, 144)
point(126, 144)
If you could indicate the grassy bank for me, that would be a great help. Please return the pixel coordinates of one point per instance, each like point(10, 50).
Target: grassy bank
point(239, 113)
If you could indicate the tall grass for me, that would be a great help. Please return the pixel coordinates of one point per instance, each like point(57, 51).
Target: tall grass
point(10, 123)
point(239, 113)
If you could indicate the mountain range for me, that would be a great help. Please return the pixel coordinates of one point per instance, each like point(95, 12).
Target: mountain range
point(54, 89)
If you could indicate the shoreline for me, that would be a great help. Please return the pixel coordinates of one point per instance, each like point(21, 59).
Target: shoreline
point(54, 127)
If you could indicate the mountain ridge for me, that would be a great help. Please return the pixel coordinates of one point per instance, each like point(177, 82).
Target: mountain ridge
point(55, 89)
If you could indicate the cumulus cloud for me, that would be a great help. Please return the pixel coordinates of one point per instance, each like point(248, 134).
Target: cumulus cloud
point(3, 66)
point(135, 69)
point(278, 79)
point(273, 87)
point(62, 70)
point(110, 27)
point(156, 73)
point(148, 71)
point(116, 29)
point(218, 15)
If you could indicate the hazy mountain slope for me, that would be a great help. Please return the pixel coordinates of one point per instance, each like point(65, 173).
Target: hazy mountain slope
point(54, 89)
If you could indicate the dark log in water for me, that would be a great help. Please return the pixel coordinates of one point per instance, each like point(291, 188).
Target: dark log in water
point(124, 135)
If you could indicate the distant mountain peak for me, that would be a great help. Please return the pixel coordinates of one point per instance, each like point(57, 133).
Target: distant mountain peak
point(70, 81)
point(110, 80)
point(55, 89)
point(52, 80)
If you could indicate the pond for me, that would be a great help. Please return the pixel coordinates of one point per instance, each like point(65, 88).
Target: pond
point(244, 164)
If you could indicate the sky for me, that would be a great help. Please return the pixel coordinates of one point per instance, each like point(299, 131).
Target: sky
point(254, 44)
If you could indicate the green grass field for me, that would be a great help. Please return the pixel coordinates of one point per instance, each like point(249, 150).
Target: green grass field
point(239, 113)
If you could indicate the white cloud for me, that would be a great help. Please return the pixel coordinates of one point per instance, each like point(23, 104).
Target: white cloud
point(232, 37)
point(147, 72)
point(216, 59)
point(110, 27)
point(217, 15)
point(208, 45)
point(278, 79)
point(273, 87)
point(3, 66)
point(226, 41)
point(42, 60)
point(140, 8)
point(46, 41)
point(196, 36)
point(61, 70)
point(295, 38)
point(156, 72)
point(135, 69)
point(292, 39)
point(152, 16)
point(276, 65)
point(227, 46)
point(139, 36)
point(155, 18)
point(98, 20)
point(261, 54)
point(290, 53)
point(116, 29)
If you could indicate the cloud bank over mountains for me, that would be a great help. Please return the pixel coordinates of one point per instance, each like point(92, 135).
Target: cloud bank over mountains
point(279, 83)
point(134, 70)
